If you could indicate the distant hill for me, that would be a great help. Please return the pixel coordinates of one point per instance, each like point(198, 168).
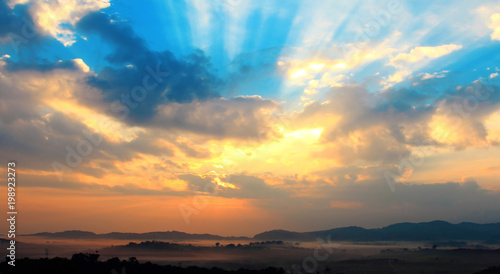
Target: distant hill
point(427, 231)
point(70, 234)
point(160, 235)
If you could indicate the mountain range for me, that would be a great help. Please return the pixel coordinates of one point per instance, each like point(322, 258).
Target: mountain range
point(425, 231)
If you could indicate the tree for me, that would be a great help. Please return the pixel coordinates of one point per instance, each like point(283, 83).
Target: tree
point(133, 260)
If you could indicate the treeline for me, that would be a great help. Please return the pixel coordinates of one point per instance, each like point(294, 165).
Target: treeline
point(173, 246)
point(89, 264)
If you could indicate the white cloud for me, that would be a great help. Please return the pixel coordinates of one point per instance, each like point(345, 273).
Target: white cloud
point(333, 81)
point(406, 63)
point(51, 15)
point(12, 3)
point(421, 53)
point(81, 64)
point(399, 76)
point(493, 75)
point(495, 26)
point(434, 75)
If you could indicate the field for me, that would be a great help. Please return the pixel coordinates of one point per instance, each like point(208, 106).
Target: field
point(303, 257)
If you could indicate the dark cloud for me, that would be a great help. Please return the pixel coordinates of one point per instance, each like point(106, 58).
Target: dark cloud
point(191, 151)
point(130, 48)
point(247, 187)
point(12, 21)
point(372, 203)
point(40, 141)
point(180, 80)
point(251, 187)
point(47, 66)
point(239, 117)
point(198, 184)
point(16, 105)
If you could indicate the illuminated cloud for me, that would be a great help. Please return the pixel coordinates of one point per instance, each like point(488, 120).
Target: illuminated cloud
point(420, 53)
point(495, 26)
point(51, 17)
point(406, 63)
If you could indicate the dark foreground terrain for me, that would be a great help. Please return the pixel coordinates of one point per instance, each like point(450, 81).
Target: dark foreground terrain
point(89, 264)
point(390, 261)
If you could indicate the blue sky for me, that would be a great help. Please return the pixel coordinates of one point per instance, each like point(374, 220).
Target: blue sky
point(286, 107)
point(233, 32)
point(256, 34)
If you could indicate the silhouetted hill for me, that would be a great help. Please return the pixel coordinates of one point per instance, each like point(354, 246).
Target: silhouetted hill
point(285, 235)
point(165, 235)
point(70, 234)
point(171, 235)
point(428, 231)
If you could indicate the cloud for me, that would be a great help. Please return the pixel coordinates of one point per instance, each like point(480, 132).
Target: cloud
point(335, 81)
point(406, 63)
point(130, 48)
point(495, 26)
point(251, 187)
point(75, 64)
point(458, 201)
point(233, 186)
point(45, 108)
point(244, 117)
point(167, 79)
point(52, 17)
point(199, 184)
point(338, 204)
point(46, 181)
point(381, 127)
point(40, 118)
point(420, 53)
point(434, 75)
point(352, 203)
point(190, 149)
point(9, 22)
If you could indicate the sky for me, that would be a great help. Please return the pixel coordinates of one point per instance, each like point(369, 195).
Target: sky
point(234, 117)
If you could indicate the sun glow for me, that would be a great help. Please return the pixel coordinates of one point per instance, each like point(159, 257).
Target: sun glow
point(305, 134)
point(298, 73)
point(317, 66)
point(340, 65)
